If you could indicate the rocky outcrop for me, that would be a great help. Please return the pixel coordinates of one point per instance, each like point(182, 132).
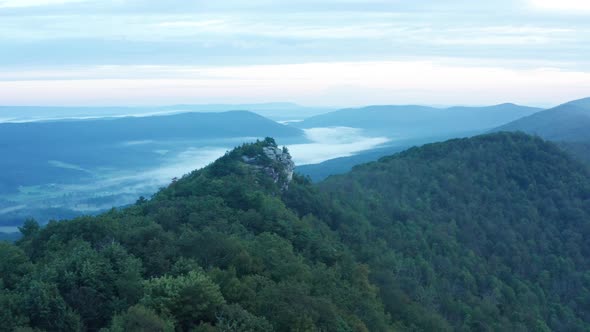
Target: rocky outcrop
point(274, 162)
point(283, 158)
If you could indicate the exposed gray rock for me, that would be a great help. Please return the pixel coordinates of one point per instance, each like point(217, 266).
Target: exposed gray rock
point(279, 165)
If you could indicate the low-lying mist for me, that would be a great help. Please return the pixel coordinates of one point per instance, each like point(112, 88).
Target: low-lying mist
point(92, 189)
point(333, 142)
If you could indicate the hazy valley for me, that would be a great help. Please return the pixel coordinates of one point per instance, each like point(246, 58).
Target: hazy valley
point(115, 159)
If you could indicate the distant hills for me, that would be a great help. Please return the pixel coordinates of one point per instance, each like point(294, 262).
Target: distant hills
point(420, 121)
point(59, 169)
point(118, 142)
point(569, 122)
point(177, 126)
point(568, 125)
point(275, 111)
point(408, 126)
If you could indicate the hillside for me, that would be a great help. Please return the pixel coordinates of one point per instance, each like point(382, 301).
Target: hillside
point(580, 150)
point(485, 234)
point(419, 121)
point(568, 123)
point(177, 126)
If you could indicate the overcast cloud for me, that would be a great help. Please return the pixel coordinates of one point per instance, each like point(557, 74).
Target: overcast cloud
point(152, 52)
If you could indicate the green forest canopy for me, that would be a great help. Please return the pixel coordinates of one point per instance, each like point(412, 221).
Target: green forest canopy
point(487, 234)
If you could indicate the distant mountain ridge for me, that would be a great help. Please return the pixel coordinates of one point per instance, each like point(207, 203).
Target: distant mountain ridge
point(412, 121)
point(410, 126)
point(275, 111)
point(568, 125)
point(569, 122)
point(183, 125)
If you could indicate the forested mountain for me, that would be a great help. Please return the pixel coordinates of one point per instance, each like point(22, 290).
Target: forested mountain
point(580, 150)
point(569, 122)
point(177, 126)
point(481, 234)
point(489, 232)
point(420, 121)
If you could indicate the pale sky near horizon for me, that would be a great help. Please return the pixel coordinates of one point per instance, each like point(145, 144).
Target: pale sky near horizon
point(320, 52)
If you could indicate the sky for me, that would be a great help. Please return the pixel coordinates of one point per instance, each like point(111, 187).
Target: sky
point(335, 53)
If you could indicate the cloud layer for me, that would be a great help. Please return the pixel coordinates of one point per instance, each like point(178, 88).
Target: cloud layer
point(130, 51)
point(330, 143)
point(442, 82)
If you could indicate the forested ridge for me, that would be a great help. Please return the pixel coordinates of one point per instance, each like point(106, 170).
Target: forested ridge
point(482, 234)
point(489, 233)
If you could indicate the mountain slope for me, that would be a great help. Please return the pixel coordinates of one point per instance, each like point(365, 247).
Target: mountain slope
point(568, 122)
point(580, 150)
point(489, 233)
point(215, 251)
point(486, 234)
point(420, 121)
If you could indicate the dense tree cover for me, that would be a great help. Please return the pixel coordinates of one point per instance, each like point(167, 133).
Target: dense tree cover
point(215, 251)
point(489, 233)
point(566, 125)
point(580, 150)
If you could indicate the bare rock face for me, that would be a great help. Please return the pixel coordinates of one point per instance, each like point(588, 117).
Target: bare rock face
point(282, 157)
point(274, 162)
